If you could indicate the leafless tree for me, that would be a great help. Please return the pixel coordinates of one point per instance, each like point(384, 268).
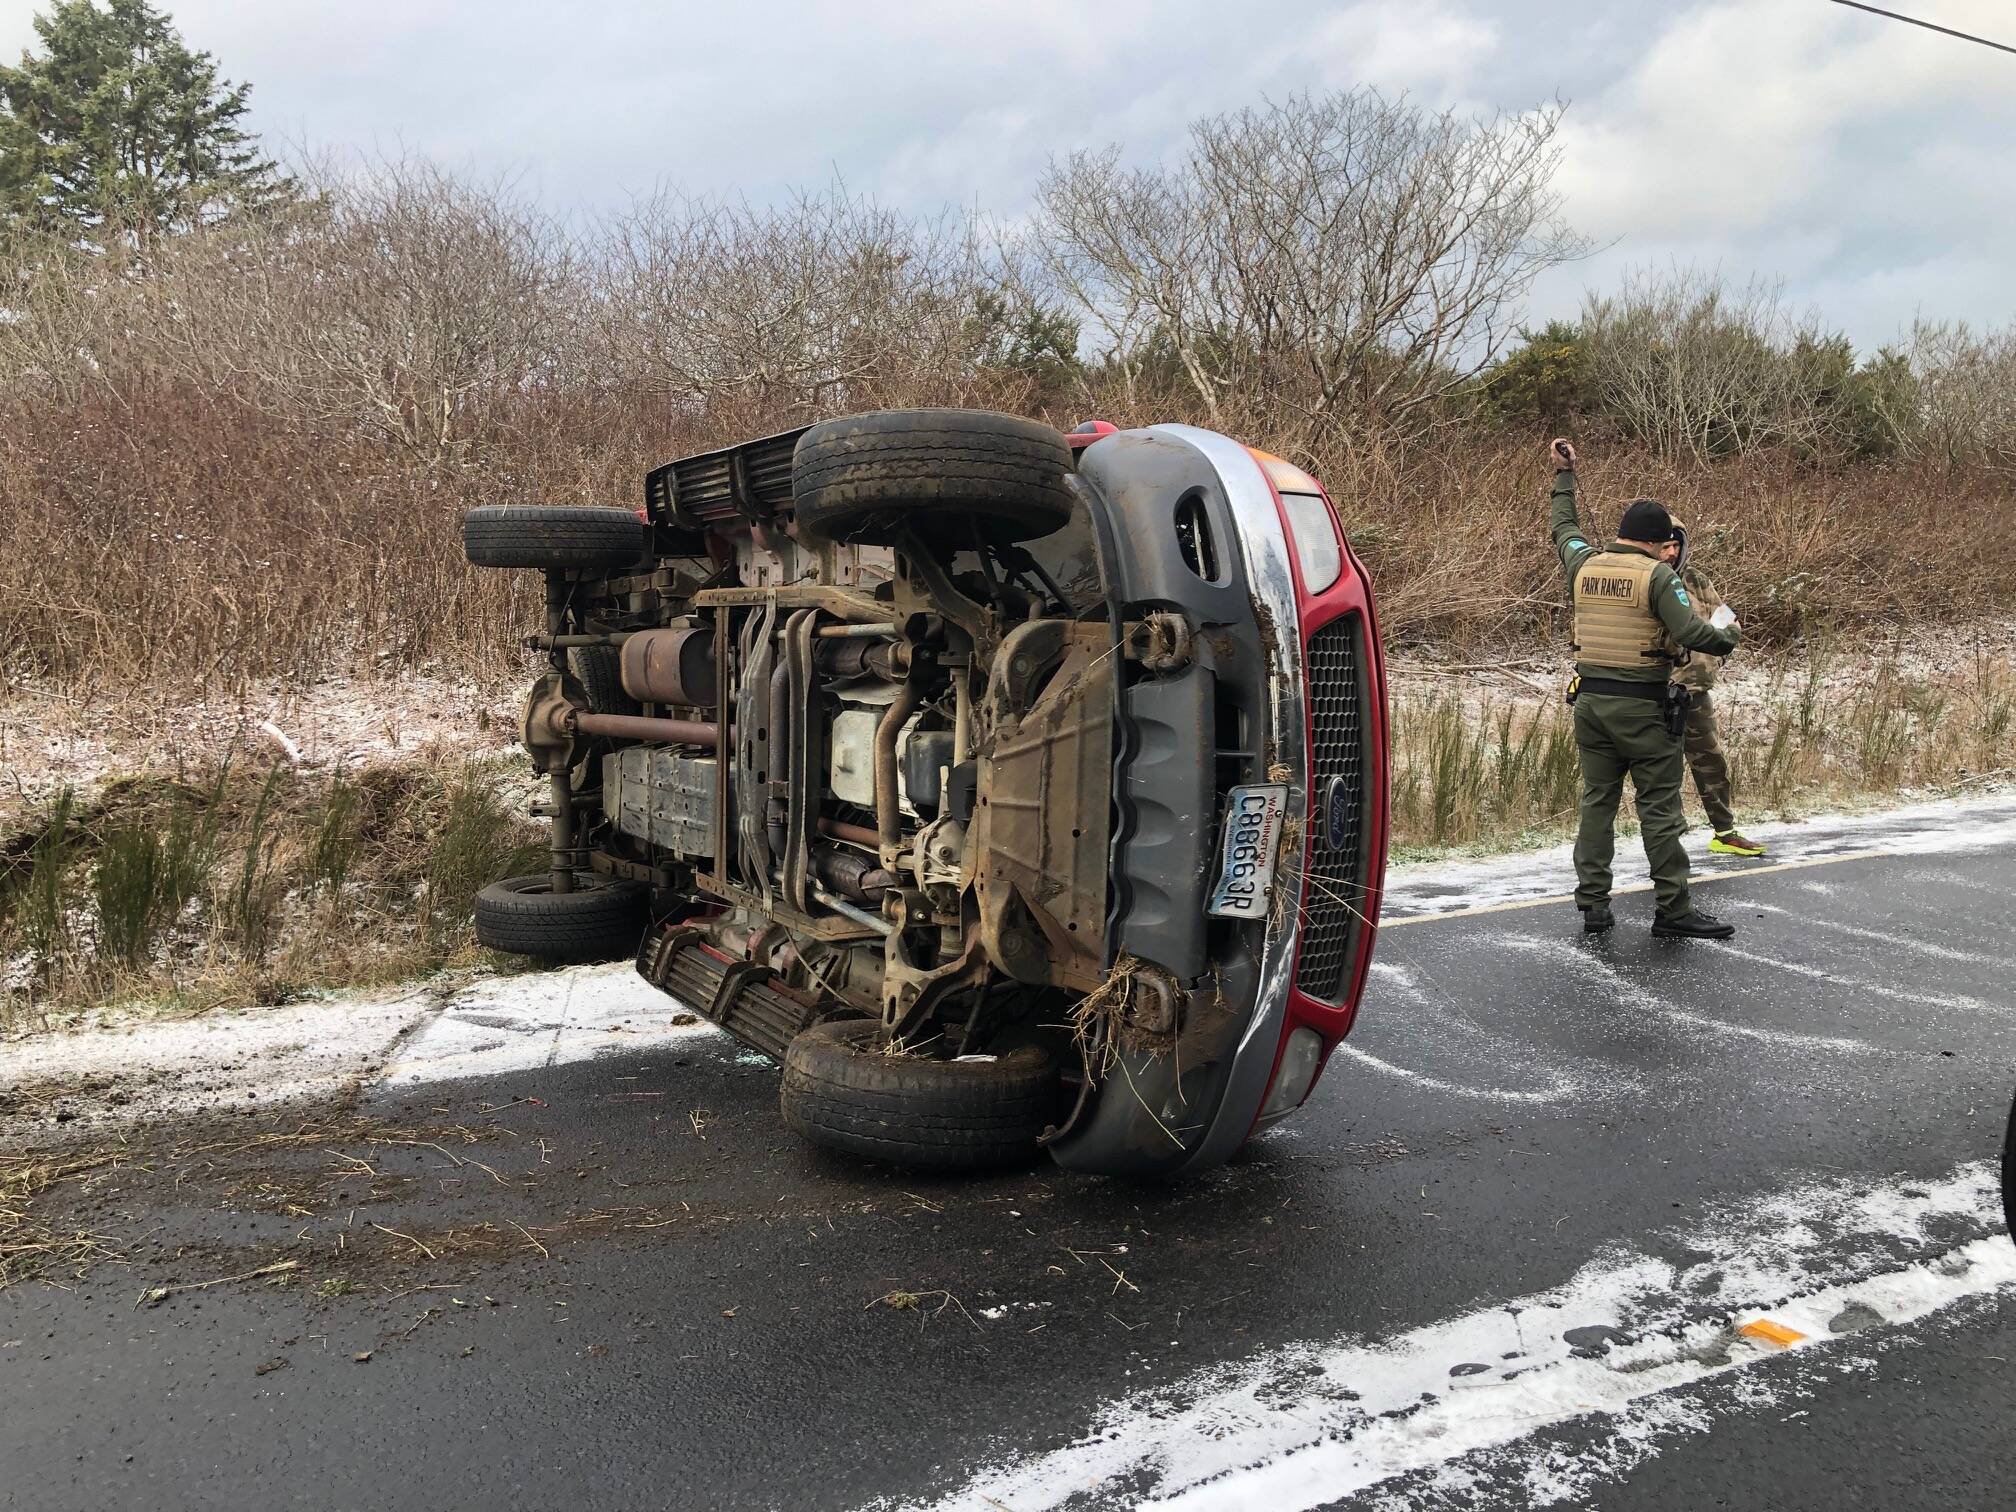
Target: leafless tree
point(399, 301)
point(1697, 367)
point(1348, 258)
point(67, 314)
point(1965, 392)
point(827, 302)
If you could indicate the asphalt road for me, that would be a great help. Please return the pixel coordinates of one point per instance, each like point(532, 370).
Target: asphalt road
point(1500, 1260)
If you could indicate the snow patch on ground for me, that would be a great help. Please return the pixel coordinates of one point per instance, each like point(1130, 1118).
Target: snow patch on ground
point(1746, 684)
point(543, 1018)
point(264, 1057)
point(51, 740)
point(1456, 1401)
point(256, 1058)
point(1948, 826)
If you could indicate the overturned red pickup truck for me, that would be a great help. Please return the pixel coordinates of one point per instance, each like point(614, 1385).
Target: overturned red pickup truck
point(1015, 791)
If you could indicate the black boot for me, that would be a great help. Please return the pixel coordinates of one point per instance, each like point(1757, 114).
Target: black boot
point(1692, 925)
point(1596, 917)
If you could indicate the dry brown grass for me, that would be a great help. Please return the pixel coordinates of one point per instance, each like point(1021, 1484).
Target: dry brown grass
point(1835, 726)
point(1456, 539)
point(238, 887)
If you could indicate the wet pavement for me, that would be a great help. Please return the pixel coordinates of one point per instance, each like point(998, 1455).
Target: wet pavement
point(1505, 1257)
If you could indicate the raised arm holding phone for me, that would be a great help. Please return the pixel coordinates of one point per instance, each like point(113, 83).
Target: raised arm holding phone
point(1634, 622)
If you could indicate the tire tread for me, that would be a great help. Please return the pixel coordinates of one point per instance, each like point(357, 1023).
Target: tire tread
point(546, 535)
point(942, 1115)
point(599, 922)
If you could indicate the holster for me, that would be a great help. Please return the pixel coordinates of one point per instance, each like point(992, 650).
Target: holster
point(1674, 706)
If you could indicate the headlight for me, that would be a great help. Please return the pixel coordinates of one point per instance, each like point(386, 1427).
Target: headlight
point(1315, 540)
point(1299, 1059)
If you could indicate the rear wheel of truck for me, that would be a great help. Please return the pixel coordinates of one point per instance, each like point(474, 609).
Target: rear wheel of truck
point(844, 1091)
point(599, 669)
point(939, 472)
point(602, 919)
point(543, 535)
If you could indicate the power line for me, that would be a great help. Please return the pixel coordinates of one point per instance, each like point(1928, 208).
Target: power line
point(1928, 25)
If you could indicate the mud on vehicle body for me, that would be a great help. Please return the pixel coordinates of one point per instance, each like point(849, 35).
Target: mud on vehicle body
point(1014, 791)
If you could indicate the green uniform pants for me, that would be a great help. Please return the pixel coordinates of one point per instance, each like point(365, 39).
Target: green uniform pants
point(1706, 761)
point(1617, 734)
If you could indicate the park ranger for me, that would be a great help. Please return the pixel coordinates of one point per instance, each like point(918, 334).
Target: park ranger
point(1633, 622)
point(1701, 741)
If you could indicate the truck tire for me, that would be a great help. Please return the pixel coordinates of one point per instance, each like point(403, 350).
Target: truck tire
point(602, 919)
point(867, 478)
point(541, 535)
point(600, 670)
point(843, 1091)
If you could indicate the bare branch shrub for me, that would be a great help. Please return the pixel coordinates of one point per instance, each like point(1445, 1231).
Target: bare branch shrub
point(1343, 260)
point(1696, 367)
point(826, 304)
point(401, 302)
point(1966, 394)
point(246, 458)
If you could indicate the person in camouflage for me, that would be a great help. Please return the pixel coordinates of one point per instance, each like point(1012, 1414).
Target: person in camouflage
point(1633, 622)
point(1701, 742)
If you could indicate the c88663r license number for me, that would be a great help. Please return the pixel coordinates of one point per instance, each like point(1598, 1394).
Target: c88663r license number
point(1253, 818)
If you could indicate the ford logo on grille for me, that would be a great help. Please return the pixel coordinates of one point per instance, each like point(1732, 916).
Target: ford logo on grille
point(1337, 798)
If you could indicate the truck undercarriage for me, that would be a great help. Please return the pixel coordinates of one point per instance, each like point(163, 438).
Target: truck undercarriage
point(862, 739)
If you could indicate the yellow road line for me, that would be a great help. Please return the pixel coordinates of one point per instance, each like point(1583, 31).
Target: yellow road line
point(1733, 874)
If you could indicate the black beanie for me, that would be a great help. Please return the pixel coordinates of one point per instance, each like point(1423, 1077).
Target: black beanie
point(1646, 520)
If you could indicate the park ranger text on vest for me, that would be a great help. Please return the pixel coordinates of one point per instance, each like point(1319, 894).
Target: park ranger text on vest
point(1633, 622)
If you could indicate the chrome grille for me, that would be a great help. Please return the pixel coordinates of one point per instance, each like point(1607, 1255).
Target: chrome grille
point(1336, 873)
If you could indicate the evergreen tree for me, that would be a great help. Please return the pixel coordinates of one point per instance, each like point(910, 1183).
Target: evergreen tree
point(118, 128)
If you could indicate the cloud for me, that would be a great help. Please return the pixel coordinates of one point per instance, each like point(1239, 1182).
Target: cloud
point(1867, 162)
point(1862, 162)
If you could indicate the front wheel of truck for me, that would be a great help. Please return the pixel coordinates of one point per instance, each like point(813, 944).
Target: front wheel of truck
point(844, 1089)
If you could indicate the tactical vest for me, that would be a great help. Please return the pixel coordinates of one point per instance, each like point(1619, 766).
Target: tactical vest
point(1614, 622)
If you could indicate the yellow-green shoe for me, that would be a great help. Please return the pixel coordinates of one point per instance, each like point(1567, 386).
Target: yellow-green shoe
point(1734, 843)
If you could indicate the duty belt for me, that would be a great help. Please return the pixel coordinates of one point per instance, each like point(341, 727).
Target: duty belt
point(1655, 691)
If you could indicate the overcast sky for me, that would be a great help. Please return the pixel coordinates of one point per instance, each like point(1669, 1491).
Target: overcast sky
point(1870, 165)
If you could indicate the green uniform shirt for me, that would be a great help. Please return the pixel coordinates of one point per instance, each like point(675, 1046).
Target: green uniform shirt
point(1669, 600)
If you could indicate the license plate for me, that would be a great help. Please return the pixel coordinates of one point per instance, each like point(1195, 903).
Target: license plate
point(1253, 816)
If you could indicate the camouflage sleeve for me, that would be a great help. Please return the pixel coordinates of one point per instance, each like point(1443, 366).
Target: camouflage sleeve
point(1701, 588)
point(1569, 541)
point(1676, 612)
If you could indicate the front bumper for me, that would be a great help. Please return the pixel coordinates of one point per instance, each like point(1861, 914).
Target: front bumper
point(1169, 1114)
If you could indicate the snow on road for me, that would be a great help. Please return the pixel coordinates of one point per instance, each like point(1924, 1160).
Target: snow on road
point(427, 1032)
point(1826, 1272)
point(1947, 827)
point(1628, 1352)
point(257, 1058)
point(543, 1019)
point(262, 1057)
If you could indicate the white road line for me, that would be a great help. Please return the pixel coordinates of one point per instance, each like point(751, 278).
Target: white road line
point(1630, 994)
point(1297, 1427)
